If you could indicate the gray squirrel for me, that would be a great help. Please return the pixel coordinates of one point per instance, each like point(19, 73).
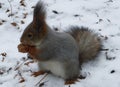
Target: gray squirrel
point(60, 53)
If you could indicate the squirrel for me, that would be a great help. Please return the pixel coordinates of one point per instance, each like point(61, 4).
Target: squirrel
point(60, 53)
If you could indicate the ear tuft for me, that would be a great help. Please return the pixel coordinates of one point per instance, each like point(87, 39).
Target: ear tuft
point(40, 10)
point(39, 13)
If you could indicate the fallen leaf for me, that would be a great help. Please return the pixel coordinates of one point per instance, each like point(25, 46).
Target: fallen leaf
point(3, 20)
point(22, 3)
point(22, 22)
point(4, 54)
point(14, 24)
point(22, 80)
point(55, 12)
point(7, 10)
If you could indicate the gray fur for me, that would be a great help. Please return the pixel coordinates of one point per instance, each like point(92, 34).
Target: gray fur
point(60, 48)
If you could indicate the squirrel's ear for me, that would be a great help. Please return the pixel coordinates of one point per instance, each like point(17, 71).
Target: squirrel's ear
point(39, 15)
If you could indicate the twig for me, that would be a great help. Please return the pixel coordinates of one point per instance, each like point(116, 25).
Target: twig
point(10, 7)
point(17, 67)
point(104, 49)
point(22, 78)
point(42, 79)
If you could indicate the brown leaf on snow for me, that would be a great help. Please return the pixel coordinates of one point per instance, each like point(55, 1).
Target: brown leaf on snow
point(14, 24)
point(22, 3)
point(3, 20)
point(7, 10)
point(4, 54)
point(22, 80)
point(22, 22)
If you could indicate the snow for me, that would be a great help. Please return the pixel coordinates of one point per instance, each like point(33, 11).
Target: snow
point(102, 16)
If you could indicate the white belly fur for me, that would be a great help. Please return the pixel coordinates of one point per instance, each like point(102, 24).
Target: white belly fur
point(55, 67)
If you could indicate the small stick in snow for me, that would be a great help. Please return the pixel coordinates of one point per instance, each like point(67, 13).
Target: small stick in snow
point(104, 49)
point(16, 68)
point(22, 79)
point(10, 8)
point(27, 63)
point(41, 84)
point(42, 79)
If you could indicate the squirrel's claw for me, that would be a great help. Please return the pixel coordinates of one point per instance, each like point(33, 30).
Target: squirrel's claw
point(69, 82)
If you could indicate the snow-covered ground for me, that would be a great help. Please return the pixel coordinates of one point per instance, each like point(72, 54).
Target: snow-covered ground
point(103, 16)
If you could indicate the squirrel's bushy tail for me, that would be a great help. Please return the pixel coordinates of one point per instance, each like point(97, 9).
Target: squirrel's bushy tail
point(89, 43)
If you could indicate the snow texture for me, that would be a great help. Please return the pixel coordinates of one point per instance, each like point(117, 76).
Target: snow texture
point(102, 16)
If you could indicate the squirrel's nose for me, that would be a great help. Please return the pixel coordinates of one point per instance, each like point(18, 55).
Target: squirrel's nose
point(23, 41)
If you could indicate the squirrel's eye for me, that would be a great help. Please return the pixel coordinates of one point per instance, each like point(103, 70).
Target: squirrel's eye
point(30, 35)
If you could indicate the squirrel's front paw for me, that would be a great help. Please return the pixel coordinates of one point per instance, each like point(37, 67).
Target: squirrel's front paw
point(23, 48)
point(35, 74)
